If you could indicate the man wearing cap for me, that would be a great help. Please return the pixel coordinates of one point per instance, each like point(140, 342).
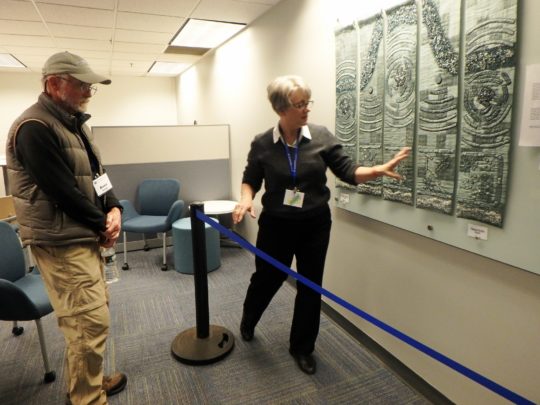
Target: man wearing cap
point(66, 210)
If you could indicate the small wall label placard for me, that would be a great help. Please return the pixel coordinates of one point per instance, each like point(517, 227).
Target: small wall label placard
point(477, 232)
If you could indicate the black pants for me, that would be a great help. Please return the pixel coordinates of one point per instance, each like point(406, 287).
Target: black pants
point(307, 240)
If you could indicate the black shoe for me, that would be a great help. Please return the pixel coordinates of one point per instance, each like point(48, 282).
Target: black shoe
point(306, 362)
point(245, 331)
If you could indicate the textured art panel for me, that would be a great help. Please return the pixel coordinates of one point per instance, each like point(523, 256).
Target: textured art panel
point(400, 96)
point(346, 92)
point(454, 105)
point(371, 98)
point(438, 101)
point(490, 28)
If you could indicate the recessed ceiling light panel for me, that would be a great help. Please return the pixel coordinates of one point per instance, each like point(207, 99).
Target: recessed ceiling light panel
point(8, 60)
point(167, 68)
point(205, 34)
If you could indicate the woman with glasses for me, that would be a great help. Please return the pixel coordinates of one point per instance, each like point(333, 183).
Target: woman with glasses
point(292, 159)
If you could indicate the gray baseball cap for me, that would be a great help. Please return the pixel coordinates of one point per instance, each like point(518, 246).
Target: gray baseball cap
point(73, 65)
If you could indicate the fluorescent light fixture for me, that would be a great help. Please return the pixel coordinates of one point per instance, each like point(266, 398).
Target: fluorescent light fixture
point(167, 68)
point(8, 60)
point(204, 33)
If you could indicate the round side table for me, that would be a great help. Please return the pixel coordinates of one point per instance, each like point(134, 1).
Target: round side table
point(222, 209)
point(219, 207)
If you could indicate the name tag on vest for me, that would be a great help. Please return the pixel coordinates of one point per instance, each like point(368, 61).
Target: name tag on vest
point(102, 184)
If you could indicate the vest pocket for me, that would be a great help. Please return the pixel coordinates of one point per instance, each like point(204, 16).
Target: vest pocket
point(58, 222)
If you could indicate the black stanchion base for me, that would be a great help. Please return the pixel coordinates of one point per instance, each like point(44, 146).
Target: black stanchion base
point(188, 348)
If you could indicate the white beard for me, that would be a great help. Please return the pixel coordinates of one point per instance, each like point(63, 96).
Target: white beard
point(71, 106)
point(84, 105)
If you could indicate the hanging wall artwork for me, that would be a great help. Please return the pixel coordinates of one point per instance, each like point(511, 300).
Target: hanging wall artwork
point(346, 91)
point(400, 97)
point(393, 91)
point(371, 101)
point(491, 27)
point(438, 94)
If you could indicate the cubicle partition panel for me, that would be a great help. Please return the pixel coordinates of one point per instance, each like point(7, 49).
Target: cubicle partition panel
point(198, 156)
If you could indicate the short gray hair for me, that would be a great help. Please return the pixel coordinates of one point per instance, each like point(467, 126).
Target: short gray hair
point(45, 79)
point(279, 91)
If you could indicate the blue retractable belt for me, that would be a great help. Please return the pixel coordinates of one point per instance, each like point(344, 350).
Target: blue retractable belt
point(480, 379)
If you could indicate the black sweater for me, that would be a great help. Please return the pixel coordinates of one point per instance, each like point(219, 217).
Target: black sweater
point(267, 161)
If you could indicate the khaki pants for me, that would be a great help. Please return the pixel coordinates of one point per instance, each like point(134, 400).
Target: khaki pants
point(74, 279)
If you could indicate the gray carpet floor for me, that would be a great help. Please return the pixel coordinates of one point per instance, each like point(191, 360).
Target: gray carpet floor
point(150, 307)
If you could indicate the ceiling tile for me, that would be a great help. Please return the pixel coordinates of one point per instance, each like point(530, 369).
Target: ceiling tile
point(22, 27)
point(116, 36)
point(266, 2)
point(145, 37)
point(13, 70)
point(26, 52)
point(158, 7)
point(229, 10)
point(104, 55)
point(99, 4)
point(84, 44)
point(134, 57)
point(130, 68)
point(137, 58)
point(25, 40)
point(98, 64)
point(18, 10)
point(136, 48)
point(149, 22)
point(88, 17)
point(73, 31)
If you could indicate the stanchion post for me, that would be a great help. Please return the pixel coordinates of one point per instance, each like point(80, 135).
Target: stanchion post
point(204, 343)
point(200, 270)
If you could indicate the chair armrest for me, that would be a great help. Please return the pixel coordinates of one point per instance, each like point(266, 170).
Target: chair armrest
point(15, 305)
point(175, 212)
point(129, 210)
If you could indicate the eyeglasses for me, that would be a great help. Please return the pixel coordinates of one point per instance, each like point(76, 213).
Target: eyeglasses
point(303, 104)
point(83, 86)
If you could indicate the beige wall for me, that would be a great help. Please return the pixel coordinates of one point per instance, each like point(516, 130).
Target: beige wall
point(481, 313)
point(127, 101)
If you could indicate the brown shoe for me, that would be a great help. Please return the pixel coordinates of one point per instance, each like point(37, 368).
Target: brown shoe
point(113, 384)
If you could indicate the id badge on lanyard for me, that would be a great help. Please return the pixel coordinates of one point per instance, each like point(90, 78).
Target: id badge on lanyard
point(293, 197)
point(102, 184)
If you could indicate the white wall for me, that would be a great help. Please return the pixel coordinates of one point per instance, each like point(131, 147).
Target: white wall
point(481, 313)
point(127, 101)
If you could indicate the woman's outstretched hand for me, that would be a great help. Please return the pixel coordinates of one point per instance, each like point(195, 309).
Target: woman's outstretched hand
point(388, 168)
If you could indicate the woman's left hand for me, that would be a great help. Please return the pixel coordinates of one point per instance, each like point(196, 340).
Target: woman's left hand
point(388, 168)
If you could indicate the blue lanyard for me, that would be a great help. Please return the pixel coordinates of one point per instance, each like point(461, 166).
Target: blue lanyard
point(292, 161)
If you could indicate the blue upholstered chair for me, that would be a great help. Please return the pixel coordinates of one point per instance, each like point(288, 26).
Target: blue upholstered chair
point(22, 295)
point(159, 207)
